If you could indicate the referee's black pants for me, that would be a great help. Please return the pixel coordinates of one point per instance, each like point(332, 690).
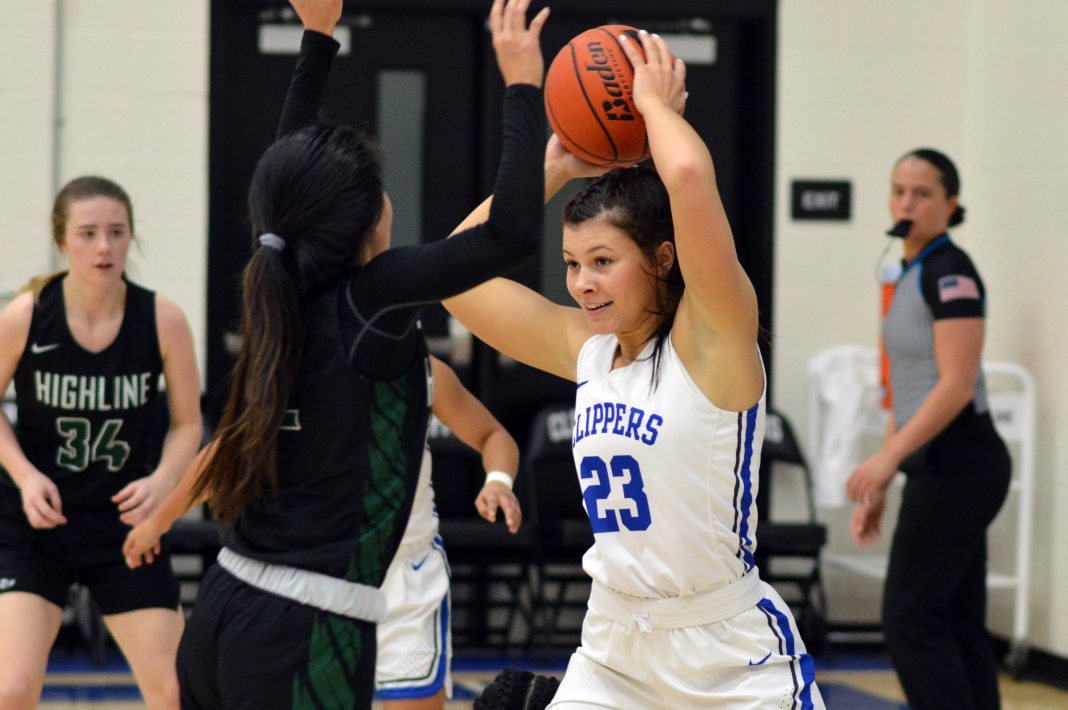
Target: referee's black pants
point(934, 602)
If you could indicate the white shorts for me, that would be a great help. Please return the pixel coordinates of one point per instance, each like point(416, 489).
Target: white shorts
point(414, 642)
point(752, 660)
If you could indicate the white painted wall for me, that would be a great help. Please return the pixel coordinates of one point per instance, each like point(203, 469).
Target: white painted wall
point(134, 87)
point(860, 82)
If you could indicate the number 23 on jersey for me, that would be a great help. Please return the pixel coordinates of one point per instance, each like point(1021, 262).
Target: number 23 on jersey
point(608, 512)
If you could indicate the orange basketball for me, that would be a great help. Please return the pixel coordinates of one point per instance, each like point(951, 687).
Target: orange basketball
point(589, 98)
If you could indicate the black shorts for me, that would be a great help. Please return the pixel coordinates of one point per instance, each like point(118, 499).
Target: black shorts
point(247, 649)
point(87, 550)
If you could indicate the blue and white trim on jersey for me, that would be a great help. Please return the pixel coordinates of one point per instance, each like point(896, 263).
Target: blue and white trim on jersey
point(744, 499)
point(439, 545)
point(802, 668)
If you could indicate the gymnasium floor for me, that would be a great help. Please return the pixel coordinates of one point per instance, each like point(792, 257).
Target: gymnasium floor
point(849, 680)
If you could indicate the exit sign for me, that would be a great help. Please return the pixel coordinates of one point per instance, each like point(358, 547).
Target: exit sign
point(821, 199)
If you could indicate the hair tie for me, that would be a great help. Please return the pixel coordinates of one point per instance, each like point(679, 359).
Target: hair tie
point(273, 241)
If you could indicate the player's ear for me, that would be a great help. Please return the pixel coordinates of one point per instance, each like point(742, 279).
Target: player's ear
point(665, 257)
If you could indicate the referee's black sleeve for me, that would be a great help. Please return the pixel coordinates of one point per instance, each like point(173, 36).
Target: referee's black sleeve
point(951, 285)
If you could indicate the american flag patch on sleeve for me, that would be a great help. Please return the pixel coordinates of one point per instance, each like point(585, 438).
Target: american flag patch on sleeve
point(951, 288)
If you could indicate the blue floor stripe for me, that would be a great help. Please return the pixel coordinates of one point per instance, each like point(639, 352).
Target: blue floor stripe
point(836, 695)
point(78, 662)
point(89, 693)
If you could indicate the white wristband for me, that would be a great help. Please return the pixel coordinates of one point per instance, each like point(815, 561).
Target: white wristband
point(500, 477)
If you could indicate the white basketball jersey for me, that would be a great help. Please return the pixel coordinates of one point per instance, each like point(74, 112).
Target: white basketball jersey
point(423, 522)
point(668, 479)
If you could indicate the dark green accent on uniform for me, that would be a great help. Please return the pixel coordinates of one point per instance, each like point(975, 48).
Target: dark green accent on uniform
point(334, 651)
point(432, 666)
point(74, 453)
point(385, 491)
point(79, 448)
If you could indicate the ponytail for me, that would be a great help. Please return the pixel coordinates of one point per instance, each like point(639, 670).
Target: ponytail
point(314, 200)
point(37, 284)
point(272, 332)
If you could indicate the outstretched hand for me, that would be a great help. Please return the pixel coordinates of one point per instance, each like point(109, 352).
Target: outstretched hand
point(496, 495)
point(318, 15)
point(659, 76)
point(518, 46)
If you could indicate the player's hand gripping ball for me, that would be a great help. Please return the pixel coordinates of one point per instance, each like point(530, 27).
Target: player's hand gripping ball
point(589, 98)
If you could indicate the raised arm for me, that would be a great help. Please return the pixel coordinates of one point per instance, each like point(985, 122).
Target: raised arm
point(718, 291)
point(384, 291)
point(717, 321)
point(474, 425)
point(317, 50)
point(550, 335)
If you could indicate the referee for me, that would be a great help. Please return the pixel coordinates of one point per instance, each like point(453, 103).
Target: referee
point(942, 436)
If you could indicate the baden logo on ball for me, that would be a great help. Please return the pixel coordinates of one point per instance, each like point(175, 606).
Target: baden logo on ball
point(589, 98)
point(616, 107)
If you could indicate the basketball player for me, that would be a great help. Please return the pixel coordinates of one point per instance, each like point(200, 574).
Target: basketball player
point(414, 642)
point(942, 435)
point(318, 451)
point(86, 349)
point(669, 419)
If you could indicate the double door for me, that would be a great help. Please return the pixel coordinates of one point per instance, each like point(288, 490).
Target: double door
point(421, 77)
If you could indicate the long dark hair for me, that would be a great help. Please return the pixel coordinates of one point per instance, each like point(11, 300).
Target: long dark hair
point(319, 190)
point(635, 201)
point(948, 174)
point(85, 187)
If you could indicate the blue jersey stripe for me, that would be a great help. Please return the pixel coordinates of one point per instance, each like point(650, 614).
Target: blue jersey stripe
point(746, 474)
point(807, 666)
point(737, 478)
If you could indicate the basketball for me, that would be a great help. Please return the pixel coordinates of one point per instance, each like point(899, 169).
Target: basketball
point(589, 98)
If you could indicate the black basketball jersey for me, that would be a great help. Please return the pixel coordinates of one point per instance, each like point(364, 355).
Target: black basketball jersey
point(349, 452)
point(90, 421)
point(351, 445)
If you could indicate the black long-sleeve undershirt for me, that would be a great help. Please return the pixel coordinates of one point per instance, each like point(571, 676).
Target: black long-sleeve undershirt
point(383, 298)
